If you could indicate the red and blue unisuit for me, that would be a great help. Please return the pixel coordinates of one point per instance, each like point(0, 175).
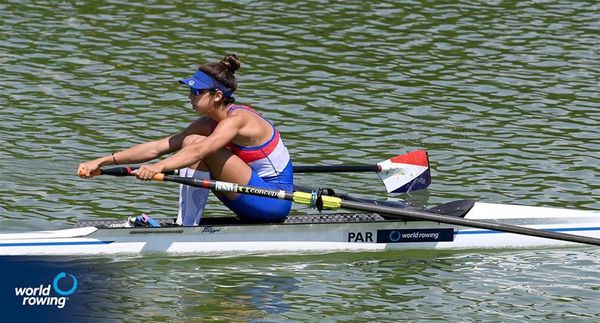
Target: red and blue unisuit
point(271, 168)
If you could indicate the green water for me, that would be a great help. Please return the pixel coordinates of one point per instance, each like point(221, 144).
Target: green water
point(503, 95)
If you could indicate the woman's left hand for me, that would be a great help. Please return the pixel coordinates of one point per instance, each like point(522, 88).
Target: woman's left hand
point(147, 172)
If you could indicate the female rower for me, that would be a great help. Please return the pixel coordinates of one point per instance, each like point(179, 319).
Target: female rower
point(230, 142)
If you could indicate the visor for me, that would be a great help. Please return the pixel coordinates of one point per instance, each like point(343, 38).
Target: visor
point(203, 81)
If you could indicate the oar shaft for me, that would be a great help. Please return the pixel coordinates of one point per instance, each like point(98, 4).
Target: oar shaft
point(226, 186)
point(329, 202)
point(336, 168)
point(126, 170)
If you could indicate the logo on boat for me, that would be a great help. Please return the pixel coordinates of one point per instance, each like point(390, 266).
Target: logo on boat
point(210, 230)
point(415, 235)
point(55, 294)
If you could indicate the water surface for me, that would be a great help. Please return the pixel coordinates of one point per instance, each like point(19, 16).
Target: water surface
point(503, 95)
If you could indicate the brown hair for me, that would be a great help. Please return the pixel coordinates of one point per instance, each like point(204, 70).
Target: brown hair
point(224, 71)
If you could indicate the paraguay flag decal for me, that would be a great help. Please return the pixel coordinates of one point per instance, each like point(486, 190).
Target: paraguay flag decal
point(406, 173)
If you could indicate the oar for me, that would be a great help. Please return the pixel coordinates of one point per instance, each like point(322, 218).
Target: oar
point(457, 208)
point(401, 174)
point(332, 203)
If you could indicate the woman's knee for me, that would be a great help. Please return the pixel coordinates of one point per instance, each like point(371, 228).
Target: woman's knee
point(192, 140)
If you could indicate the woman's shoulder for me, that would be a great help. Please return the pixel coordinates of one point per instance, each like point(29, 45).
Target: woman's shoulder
point(239, 107)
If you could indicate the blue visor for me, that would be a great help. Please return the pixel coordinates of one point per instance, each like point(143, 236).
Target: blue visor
point(203, 81)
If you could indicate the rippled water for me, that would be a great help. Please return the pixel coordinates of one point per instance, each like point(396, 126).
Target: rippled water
point(503, 95)
point(508, 286)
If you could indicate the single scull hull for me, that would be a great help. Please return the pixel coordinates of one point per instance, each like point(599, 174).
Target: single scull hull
point(308, 234)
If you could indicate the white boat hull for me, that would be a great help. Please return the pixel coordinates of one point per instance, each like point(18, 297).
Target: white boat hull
point(231, 239)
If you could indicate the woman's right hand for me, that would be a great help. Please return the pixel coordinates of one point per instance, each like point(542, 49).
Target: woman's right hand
point(88, 169)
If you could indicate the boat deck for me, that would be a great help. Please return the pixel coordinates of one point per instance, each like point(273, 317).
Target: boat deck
point(457, 208)
point(230, 220)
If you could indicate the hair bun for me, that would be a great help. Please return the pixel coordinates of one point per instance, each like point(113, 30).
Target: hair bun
point(232, 62)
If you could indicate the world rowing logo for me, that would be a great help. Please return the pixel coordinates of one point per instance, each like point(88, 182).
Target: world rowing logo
point(40, 296)
point(60, 291)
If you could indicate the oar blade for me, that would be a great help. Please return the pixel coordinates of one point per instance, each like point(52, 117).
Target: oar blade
point(406, 173)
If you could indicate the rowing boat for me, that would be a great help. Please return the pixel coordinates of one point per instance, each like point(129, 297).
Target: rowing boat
point(323, 232)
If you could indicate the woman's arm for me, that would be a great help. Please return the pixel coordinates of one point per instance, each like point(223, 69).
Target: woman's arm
point(144, 152)
point(224, 133)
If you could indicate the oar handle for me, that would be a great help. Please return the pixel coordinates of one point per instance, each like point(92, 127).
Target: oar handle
point(118, 171)
point(124, 171)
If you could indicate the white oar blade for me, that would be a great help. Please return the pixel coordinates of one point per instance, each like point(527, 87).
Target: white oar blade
point(406, 173)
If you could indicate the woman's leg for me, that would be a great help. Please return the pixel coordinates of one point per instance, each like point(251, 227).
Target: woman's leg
point(225, 166)
point(192, 200)
point(222, 165)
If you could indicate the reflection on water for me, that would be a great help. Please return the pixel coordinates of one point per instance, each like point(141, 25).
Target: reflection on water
point(370, 286)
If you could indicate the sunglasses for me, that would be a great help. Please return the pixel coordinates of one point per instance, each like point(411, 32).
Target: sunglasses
point(197, 92)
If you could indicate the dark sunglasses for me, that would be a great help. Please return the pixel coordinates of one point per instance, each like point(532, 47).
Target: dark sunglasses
point(198, 92)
